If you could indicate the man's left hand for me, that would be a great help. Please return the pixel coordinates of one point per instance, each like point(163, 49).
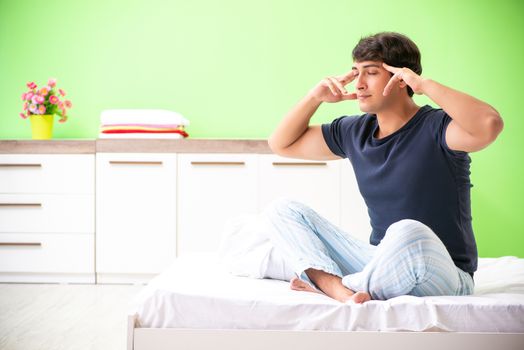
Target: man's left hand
point(403, 74)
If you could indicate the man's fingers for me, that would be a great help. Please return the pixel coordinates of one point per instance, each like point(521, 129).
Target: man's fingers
point(350, 96)
point(331, 86)
point(337, 85)
point(388, 86)
point(394, 79)
point(348, 77)
point(340, 87)
point(390, 68)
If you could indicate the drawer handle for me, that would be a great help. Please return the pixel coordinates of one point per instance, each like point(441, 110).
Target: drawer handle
point(218, 163)
point(20, 244)
point(9, 165)
point(128, 162)
point(299, 164)
point(20, 204)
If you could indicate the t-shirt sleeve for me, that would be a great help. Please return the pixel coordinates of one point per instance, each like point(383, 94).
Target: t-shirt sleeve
point(441, 125)
point(335, 135)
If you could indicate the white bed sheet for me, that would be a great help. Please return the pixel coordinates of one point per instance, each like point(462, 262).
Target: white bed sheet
point(197, 292)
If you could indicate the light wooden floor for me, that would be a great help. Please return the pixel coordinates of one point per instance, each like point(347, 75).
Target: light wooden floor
point(72, 317)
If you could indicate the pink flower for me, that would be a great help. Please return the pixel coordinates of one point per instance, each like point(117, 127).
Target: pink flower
point(37, 99)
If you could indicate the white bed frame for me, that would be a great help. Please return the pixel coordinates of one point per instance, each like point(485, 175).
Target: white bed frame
point(205, 339)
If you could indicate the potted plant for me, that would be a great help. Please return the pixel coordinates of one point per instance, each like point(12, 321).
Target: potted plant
point(40, 106)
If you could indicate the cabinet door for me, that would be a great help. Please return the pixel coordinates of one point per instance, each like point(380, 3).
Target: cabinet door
point(355, 218)
point(136, 215)
point(315, 183)
point(212, 188)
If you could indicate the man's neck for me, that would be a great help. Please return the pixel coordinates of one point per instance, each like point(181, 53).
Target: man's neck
point(395, 117)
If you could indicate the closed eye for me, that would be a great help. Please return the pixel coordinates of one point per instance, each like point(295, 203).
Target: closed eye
point(369, 73)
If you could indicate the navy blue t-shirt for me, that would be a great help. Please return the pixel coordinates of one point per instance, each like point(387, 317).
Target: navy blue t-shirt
point(410, 174)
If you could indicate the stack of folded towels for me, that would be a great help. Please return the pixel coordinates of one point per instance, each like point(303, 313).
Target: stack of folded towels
point(142, 123)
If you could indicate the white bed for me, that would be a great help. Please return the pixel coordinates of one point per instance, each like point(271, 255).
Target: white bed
point(197, 304)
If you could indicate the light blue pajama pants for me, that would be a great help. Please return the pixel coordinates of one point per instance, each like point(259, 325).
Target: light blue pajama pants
point(410, 259)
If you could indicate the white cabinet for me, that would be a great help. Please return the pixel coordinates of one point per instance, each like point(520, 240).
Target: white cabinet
point(315, 183)
point(149, 208)
point(47, 207)
point(213, 188)
point(136, 215)
point(354, 214)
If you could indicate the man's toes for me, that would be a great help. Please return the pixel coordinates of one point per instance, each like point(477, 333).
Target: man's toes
point(296, 283)
point(361, 297)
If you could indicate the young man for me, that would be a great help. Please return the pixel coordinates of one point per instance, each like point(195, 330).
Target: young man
point(412, 168)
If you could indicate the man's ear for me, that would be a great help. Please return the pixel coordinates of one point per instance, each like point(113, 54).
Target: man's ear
point(402, 84)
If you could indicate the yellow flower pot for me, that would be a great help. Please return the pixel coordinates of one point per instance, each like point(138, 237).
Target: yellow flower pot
point(41, 126)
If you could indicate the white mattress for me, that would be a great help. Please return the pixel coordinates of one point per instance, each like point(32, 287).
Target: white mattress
point(195, 292)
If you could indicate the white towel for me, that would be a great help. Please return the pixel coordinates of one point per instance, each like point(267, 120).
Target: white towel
point(141, 116)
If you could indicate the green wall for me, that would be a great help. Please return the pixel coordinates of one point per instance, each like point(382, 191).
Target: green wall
point(234, 67)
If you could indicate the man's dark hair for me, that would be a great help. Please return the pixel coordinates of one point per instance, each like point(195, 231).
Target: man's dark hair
point(392, 48)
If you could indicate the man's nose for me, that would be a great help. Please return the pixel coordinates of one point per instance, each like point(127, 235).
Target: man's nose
point(359, 83)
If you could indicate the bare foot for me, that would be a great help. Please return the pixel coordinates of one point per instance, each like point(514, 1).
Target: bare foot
point(360, 297)
point(330, 284)
point(332, 287)
point(301, 285)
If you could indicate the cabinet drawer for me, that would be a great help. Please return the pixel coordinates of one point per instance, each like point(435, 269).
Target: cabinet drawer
point(47, 253)
point(43, 213)
point(48, 173)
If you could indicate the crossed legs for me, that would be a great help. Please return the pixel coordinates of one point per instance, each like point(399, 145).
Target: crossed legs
point(411, 259)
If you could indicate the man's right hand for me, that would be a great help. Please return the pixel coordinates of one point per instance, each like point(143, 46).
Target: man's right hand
point(332, 89)
point(294, 138)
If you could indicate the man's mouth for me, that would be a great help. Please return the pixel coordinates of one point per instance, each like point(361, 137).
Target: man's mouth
point(362, 97)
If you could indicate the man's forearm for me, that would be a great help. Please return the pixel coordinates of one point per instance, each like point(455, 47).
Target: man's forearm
point(294, 124)
point(477, 118)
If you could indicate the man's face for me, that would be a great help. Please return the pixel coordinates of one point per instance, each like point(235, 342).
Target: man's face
point(369, 84)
